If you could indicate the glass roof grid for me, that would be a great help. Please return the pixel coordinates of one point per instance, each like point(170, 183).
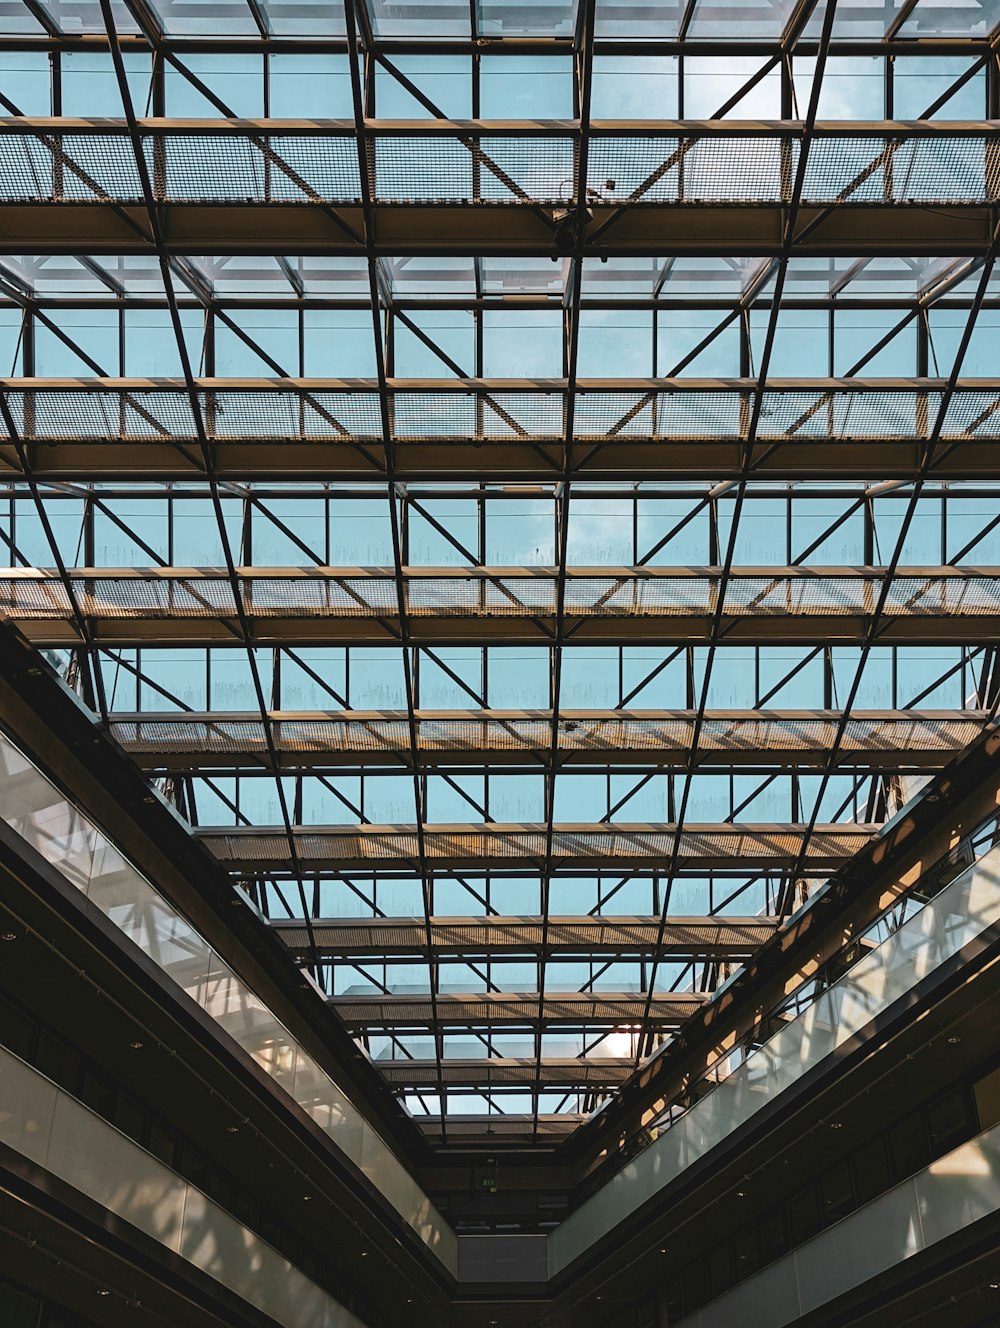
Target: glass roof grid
point(439, 275)
point(936, 18)
point(258, 277)
point(763, 21)
point(630, 20)
point(419, 20)
point(525, 18)
point(303, 18)
point(17, 19)
point(205, 18)
point(523, 276)
point(844, 306)
point(83, 17)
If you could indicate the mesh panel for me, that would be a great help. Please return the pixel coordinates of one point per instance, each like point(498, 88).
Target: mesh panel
point(846, 415)
point(303, 594)
point(653, 414)
point(135, 416)
point(491, 415)
point(273, 168)
point(484, 169)
point(754, 168)
point(667, 168)
point(973, 414)
point(730, 169)
point(871, 169)
point(73, 168)
point(287, 412)
point(321, 416)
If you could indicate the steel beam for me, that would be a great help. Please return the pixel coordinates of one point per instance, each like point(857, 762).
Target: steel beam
point(369, 1013)
point(653, 605)
point(262, 851)
point(894, 740)
point(683, 937)
point(496, 1073)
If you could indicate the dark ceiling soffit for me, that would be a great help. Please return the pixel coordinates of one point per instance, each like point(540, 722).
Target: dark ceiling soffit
point(21, 863)
point(237, 932)
point(53, 1201)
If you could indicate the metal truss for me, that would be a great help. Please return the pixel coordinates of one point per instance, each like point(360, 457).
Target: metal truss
point(264, 850)
point(893, 740)
point(666, 605)
point(375, 462)
point(685, 937)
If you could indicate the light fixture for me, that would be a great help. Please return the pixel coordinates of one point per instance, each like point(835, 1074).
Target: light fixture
point(836, 1125)
point(232, 1129)
point(954, 1040)
point(136, 1045)
point(103, 1291)
point(8, 936)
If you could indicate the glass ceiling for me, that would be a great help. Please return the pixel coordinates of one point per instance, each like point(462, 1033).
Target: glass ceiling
point(522, 480)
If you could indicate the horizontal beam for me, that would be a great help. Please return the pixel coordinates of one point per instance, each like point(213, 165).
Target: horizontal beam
point(511, 428)
point(607, 411)
point(862, 230)
point(355, 937)
point(489, 1130)
point(576, 1008)
point(261, 851)
point(656, 605)
point(467, 164)
point(508, 1072)
point(614, 460)
point(764, 42)
point(294, 186)
point(309, 740)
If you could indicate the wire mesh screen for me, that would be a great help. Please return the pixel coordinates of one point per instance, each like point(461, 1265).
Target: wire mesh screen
point(474, 167)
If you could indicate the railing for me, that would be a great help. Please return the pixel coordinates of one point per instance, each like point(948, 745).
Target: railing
point(955, 901)
point(57, 830)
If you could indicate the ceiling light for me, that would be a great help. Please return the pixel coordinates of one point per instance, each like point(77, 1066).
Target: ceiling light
point(954, 1040)
point(136, 1045)
point(8, 936)
point(232, 1129)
